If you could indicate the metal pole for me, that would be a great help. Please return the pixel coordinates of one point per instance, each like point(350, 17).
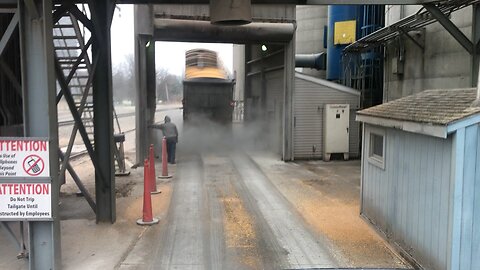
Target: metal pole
point(103, 118)
point(151, 88)
point(40, 110)
point(141, 99)
point(289, 86)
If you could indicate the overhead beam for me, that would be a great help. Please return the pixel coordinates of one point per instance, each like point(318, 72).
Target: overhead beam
point(292, 2)
point(450, 27)
point(10, 3)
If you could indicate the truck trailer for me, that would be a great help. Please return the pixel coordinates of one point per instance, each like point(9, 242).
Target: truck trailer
point(207, 93)
point(208, 99)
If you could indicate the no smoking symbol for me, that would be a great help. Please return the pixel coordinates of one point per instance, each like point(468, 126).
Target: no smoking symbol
point(33, 165)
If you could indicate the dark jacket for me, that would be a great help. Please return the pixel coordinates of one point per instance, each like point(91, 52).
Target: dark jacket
point(168, 128)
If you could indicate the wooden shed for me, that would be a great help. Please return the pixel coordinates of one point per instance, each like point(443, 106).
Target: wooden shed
point(310, 97)
point(421, 176)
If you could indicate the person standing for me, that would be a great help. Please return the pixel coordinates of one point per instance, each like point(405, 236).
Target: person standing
point(170, 132)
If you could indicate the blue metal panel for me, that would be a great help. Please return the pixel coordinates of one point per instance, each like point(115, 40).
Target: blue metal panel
point(476, 216)
point(468, 196)
point(339, 13)
point(457, 199)
point(471, 120)
point(410, 200)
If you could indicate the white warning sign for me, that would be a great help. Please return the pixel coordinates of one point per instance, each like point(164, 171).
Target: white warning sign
point(25, 201)
point(24, 158)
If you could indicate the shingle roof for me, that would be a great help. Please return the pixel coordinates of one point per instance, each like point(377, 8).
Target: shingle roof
point(438, 107)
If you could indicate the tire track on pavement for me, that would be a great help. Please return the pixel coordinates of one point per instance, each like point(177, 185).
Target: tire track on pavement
point(301, 249)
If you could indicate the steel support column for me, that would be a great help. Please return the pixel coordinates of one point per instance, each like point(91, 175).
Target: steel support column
point(40, 111)
point(151, 88)
point(141, 111)
point(289, 85)
point(476, 43)
point(144, 55)
point(102, 12)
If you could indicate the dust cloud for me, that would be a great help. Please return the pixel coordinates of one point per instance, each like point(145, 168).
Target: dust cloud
point(201, 135)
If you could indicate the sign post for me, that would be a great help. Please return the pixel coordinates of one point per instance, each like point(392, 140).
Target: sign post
point(25, 183)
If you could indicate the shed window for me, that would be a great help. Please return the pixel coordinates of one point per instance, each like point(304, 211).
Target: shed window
point(377, 145)
point(376, 151)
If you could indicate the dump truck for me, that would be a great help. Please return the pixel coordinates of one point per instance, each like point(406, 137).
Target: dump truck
point(207, 92)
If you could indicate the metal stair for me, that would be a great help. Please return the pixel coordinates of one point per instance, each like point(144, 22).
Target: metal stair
point(69, 41)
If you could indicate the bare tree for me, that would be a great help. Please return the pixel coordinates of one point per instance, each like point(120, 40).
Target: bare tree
point(169, 86)
point(124, 80)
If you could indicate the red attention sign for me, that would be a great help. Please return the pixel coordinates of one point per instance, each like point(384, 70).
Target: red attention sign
point(25, 188)
point(24, 158)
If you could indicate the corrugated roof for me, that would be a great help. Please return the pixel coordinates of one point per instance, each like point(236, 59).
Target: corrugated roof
point(437, 107)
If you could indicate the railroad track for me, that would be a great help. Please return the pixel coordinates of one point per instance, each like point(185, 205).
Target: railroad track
point(119, 115)
point(71, 122)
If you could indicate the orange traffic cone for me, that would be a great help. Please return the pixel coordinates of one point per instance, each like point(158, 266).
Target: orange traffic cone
point(164, 160)
point(153, 178)
point(148, 218)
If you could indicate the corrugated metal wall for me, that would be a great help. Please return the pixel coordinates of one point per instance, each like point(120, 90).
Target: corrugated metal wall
point(309, 101)
point(410, 201)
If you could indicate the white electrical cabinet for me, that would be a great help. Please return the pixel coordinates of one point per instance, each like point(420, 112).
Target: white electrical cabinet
point(336, 125)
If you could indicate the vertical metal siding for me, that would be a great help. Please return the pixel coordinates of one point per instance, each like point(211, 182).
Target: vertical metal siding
point(410, 200)
point(476, 212)
point(309, 101)
point(469, 238)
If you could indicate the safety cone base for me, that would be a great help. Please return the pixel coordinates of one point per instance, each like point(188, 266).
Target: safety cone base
point(164, 177)
point(154, 221)
point(156, 192)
